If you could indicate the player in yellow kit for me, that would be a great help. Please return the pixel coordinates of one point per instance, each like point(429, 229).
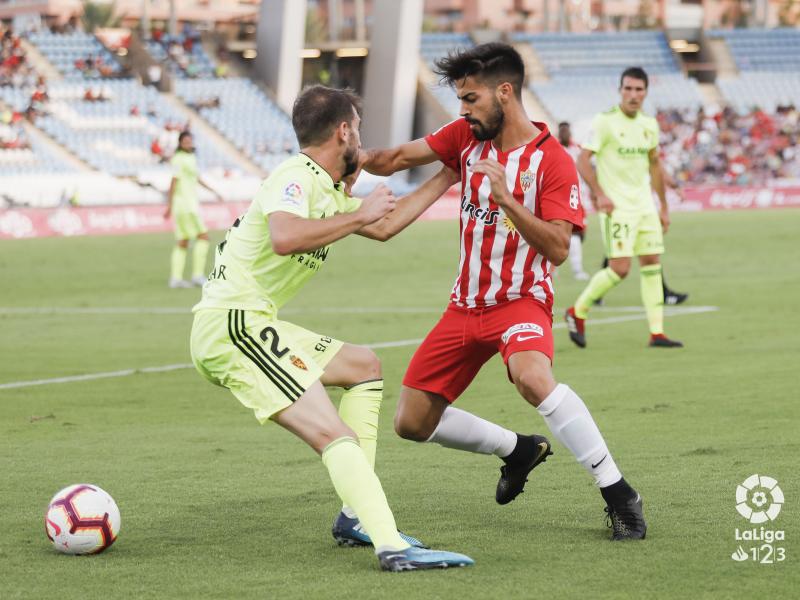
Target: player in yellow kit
point(183, 206)
point(625, 144)
point(278, 369)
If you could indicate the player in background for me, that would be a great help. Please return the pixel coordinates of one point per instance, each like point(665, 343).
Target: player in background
point(278, 369)
point(625, 143)
point(184, 208)
point(519, 205)
point(578, 235)
point(671, 297)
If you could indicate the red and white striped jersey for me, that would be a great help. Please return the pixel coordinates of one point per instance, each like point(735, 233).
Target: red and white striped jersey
point(496, 264)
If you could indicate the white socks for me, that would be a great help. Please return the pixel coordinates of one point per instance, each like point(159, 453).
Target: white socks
point(464, 431)
point(568, 418)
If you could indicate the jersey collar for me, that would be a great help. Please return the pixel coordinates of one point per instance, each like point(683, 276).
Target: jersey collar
point(315, 168)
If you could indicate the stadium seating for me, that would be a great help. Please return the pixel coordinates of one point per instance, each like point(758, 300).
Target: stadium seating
point(196, 63)
point(245, 116)
point(601, 53)
point(762, 49)
point(584, 72)
point(437, 45)
point(37, 159)
point(65, 49)
point(105, 134)
point(761, 89)
point(768, 61)
point(579, 98)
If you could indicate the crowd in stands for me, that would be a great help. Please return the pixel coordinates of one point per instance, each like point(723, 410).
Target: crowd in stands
point(94, 67)
point(185, 51)
point(12, 135)
point(725, 147)
point(15, 70)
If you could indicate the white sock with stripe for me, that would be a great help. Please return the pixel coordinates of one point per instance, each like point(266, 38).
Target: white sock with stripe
point(568, 418)
point(464, 431)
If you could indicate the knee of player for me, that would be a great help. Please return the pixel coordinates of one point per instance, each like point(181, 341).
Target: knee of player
point(534, 384)
point(409, 429)
point(368, 365)
point(621, 270)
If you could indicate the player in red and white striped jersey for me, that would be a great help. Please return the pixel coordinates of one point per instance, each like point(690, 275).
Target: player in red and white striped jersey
point(520, 203)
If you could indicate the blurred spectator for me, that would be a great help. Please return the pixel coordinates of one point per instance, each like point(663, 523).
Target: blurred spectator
point(212, 102)
point(727, 148)
point(12, 137)
point(95, 95)
point(14, 68)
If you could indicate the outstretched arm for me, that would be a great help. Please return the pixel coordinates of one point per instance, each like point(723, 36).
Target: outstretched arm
point(402, 157)
point(410, 207)
point(293, 234)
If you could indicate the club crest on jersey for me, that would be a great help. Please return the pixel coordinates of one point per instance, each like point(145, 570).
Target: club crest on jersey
point(526, 180)
point(293, 194)
point(297, 362)
point(524, 331)
point(574, 197)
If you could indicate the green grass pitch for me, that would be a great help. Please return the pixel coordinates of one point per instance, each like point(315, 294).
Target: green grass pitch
point(215, 506)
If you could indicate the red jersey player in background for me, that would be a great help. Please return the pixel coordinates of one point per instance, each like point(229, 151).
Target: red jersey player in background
point(576, 242)
point(519, 205)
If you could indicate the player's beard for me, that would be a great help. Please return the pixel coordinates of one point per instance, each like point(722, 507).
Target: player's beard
point(493, 126)
point(350, 161)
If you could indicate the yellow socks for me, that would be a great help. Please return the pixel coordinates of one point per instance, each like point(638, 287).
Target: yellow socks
point(359, 408)
point(199, 254)
point(359, 487)
point(652, 287)
point(177, 262)
point(598, 286)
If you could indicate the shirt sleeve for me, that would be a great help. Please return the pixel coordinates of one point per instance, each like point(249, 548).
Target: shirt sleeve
point(289, 191)
point(596, 139)
point(448, 141)
point(561, 196)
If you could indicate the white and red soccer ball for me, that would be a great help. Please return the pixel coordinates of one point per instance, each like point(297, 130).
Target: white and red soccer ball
point(82, 519)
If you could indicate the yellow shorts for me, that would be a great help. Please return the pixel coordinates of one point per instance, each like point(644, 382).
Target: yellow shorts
point(631, 234)
point(188, 225)
point(266, 363)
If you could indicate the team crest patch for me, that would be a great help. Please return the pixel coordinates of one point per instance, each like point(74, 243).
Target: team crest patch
point(293, 194)
point(523, 331)
point(526, 180)
point(298, 363)
point(574, 197)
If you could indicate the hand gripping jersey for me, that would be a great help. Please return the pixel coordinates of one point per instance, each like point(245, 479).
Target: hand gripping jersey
point(496, 264)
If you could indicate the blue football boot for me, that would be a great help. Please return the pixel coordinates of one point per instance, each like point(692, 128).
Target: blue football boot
point(412, 559)
point(350, 532)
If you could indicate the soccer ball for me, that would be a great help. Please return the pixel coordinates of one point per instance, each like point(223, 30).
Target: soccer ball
point(82, 519)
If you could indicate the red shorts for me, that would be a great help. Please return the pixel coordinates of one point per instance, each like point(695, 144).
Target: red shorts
point(464, 339)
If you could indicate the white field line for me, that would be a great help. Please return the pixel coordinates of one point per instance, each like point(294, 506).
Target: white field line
point(668, 311)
